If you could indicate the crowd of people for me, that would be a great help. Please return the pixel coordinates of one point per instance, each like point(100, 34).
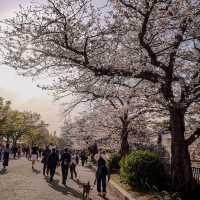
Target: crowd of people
point(51, 158)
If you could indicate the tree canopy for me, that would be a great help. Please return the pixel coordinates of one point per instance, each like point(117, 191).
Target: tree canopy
point(16, 126)
point(88, 51)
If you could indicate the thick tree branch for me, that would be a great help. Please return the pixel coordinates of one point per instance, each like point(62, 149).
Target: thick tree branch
point(149, 75)
point(193, 137)
point(112, 104)
point(144, 44)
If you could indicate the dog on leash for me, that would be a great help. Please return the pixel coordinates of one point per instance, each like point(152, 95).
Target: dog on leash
point(86, 190)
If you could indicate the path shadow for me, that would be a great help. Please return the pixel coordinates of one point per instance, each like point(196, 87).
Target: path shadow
point(73, 192)
point(65, 190)
point(3, 171)
point(36, 171)
point(78, 182)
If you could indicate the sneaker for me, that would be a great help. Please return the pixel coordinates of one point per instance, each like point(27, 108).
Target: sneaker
point(103, 194)
point(99, 193)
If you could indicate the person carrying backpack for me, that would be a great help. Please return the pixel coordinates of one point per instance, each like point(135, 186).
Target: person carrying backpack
point(101, 174)
point(53, 161)
point(83, 157)
point(45, 156)
point(65, 163)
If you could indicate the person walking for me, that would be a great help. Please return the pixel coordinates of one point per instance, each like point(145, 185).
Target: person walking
point(101, 174)
point(53, 161)
point(34, 155)
point(6, 156)
point(93, 150)
point(65, 162)
point(19, 150)
point(15, 149)
point(45, 156)
point(83, 157)
point(40, 152)
point(1, 152)
point(73, 164)
point(77, 158)
point(26, 151)
point(29, 152)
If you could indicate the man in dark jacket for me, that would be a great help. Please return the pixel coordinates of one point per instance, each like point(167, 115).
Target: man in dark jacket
point(45, 157)
point(53, 161)
point(65, 162)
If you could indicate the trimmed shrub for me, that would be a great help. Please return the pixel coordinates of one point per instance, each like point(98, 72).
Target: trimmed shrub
point(113, 162)
point(142, 169)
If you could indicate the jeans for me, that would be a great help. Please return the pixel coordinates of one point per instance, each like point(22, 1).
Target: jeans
point(83, 162)
point(52, 172)
point(65, 169)
point(101, 183)
point(73, 170)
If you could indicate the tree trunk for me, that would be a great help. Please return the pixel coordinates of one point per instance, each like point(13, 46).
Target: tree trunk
point(181, 170)
point(124, 148)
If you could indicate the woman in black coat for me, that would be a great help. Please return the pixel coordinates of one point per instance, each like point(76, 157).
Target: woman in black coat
point(6, 156)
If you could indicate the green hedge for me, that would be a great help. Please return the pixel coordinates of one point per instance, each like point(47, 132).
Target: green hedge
point(142, 169)
point(114, 161)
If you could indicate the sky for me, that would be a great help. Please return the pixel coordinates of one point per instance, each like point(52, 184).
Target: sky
point(22, 91)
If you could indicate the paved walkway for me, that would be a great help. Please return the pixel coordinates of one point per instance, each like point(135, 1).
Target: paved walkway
point(19, 182)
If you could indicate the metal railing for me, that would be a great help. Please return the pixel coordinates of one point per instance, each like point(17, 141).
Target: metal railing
point(196, 174)
point(195, 170)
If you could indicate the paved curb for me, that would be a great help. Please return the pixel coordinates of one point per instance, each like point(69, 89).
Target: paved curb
point(114, 187)
point(123, 195)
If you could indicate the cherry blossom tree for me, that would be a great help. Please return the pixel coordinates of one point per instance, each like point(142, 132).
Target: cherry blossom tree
point(164, 46)
point(125, 114)
point(120, 119)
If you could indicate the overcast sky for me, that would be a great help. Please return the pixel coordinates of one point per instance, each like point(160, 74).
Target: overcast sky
point(23, 91)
